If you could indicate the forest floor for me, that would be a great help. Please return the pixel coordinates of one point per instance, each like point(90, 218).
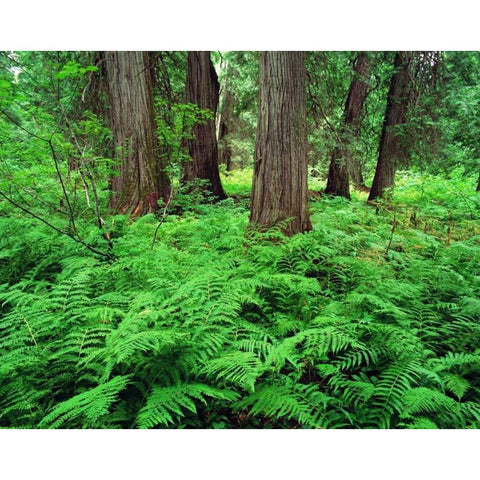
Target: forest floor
point(369, 321)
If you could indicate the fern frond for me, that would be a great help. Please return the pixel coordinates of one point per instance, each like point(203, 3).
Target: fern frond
point(167, 405)
point(456, 384)
point(423, 400)
point(237, 368)
point(303, 403)
point(86, 408)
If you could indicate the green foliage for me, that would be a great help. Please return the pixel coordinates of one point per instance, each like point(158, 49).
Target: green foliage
point(220, 327)
point(459, 114)
point(238, 76)
point(73, 69)
point(85, 409)
point(175, 127)
point(353, 325)
point(165, 404)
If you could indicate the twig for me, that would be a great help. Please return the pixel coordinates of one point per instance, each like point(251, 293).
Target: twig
point(472, 213)
point(394, 225)
point(64, 190)
point(53, 227)
point(15, 122)
point(164, 214)
point(100, 221)
point(54, 156)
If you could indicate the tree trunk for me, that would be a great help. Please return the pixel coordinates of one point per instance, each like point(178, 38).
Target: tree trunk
point(358, 93)
point(203, 90)
point(225, 130)
point(478, 184)
point(342, 161)
point(141, 180)
point(391, 150)
point(338, 177)
point(356, 175)
point(280, 189)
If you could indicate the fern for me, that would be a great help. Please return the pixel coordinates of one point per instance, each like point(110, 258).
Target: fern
point(237, 368)
point(86, 408)
point(219, 326)
point(169, 405)
point(302, 403)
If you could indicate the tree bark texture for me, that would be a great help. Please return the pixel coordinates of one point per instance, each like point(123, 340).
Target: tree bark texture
point(342, 161)
point(203, 90)
point(141, 180)
point(280, 189)
point(390, 149)
point(225, 129)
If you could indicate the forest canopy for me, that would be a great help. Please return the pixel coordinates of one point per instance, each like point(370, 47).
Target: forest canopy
point(239, 239)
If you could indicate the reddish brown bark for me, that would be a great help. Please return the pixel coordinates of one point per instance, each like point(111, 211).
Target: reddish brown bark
point(203, 90)
point(391, 150)
point(141, 179)
point(280, 190)
point(342, 161)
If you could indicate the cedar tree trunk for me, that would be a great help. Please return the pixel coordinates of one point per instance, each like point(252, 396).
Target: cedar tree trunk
point(342, 161)
point(203, 90)
point(280, 189)
point(391, 150)
point(225, 129)
point(141, 180)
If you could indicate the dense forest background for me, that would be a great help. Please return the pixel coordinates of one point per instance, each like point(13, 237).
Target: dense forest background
point(239, 239)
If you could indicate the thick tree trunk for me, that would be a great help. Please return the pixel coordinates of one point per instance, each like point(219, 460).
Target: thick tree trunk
point(203, 90)
point(141, 180)
point(342, 161)
point(280, 189)
point(391, 150)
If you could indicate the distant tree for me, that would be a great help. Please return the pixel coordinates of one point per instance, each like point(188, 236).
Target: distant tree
point(238, 108)
point(342, 161)
point(391, 149)
point(225, 126)
point(280, 189)
point(426, 102)
point(203, 90)
point(141, 179)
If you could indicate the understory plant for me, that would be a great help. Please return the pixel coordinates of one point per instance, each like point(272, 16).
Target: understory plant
point(216, 326)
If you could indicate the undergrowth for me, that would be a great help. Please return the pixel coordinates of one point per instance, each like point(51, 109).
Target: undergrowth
point(353, 325)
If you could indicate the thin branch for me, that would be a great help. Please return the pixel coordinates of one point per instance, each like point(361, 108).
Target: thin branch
point(53, 227)
point(164, 214)
point(81, 152)
point(100, 220)
point(394, 225)
point(90, 77)
point(60, 178)
point(15, 122)
point(54, 155)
